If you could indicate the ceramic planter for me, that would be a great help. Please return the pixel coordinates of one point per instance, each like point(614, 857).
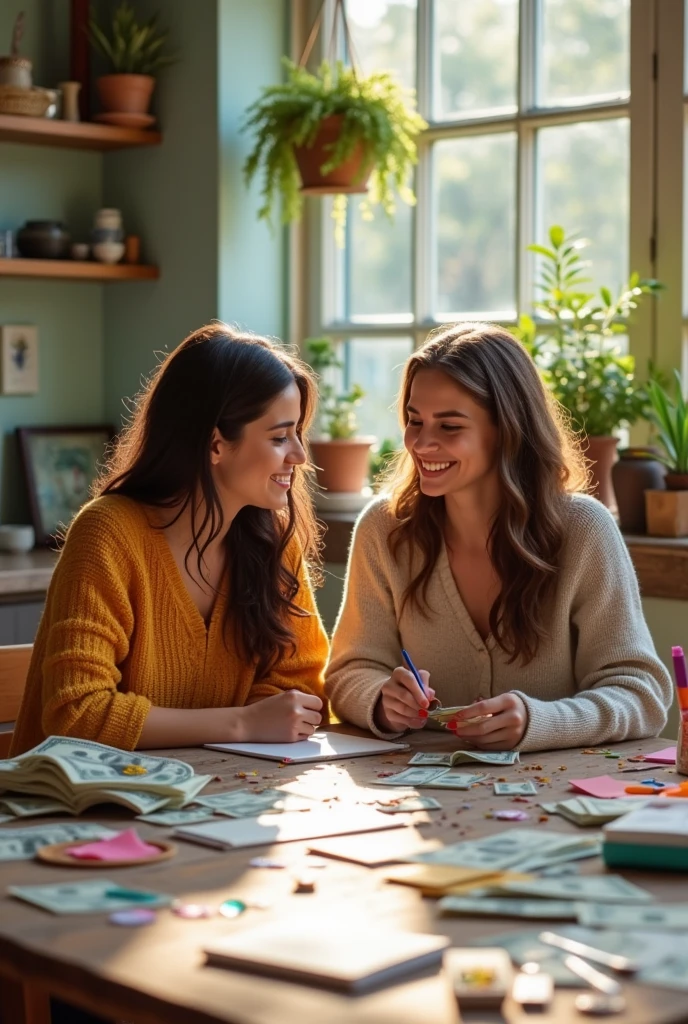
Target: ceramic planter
point(342, 466)
point(601, 453)
point(677, 481)
point(667, 513)
point(636, 471)
point(125, 94)
point(351, 176)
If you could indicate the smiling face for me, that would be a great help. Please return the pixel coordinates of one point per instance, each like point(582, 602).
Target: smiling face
point(450, 437)
point(258, 469)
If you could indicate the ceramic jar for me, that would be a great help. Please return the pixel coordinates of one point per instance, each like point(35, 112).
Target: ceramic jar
point(16, 71)
point(43, 240)
point(108, 219)
point(638, 470)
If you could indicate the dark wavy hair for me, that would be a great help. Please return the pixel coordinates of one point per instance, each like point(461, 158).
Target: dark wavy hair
point(219, 377)
point(539, 461)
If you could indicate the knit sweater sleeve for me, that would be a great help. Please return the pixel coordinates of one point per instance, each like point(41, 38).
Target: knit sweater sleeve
point(624, 690)
point(89, 624)
point(304, 667)
point(366, 646)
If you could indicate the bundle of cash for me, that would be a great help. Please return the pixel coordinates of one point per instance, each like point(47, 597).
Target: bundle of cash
point(444, 715)
point(502, 757)
point(520, 849)
point(589, 888)
point(22, 843)
point(68, 775)
point(590, 810)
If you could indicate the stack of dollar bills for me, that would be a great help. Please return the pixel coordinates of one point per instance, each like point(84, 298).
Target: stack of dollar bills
point(590, 810)
point(68, 775)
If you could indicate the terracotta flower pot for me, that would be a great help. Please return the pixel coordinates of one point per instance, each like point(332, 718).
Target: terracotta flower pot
point(637, 471)
point(601, 453)
point(342, 466)
point(351, 175)
point(125, 94)
point(676, 481)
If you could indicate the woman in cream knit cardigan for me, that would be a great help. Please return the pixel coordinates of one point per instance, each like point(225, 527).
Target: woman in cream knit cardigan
point(514, 594)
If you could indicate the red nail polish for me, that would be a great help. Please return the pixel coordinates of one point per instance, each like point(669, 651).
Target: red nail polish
point(422, 713)
point(453, 724)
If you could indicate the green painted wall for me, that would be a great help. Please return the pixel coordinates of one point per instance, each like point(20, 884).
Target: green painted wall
point(35, 183)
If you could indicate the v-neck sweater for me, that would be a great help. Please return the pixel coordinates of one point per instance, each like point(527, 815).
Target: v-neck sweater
point(120, 633)
point(595, 679)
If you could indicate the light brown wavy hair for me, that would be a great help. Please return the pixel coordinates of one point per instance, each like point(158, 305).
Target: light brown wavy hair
point(225, 378)
point(538, 461)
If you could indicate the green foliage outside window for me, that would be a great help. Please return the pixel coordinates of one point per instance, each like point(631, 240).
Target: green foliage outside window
point(575, 341)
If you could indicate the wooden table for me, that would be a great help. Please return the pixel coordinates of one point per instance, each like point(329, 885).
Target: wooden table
point(156, 974)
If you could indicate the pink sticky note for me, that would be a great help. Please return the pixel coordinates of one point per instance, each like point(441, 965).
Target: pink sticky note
point(603, 786)
point(123, 846)
point(666, 756)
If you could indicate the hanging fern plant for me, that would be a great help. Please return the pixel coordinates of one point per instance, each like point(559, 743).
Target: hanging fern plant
point(377, 115)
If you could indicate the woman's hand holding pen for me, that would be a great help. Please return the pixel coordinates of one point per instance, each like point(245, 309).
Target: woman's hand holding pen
point(500, 732)
point(401, 701)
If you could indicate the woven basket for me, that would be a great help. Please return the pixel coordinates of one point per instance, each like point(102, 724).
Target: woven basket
point(28, 102)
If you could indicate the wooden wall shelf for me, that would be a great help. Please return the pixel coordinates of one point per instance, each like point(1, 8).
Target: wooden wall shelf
point(44, 131)
point(76, 270)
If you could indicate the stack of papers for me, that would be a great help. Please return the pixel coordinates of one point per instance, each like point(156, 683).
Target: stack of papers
point(655, 836)
point(589, 810)
point(68, 775)
point(519, 849)
point(448, 760)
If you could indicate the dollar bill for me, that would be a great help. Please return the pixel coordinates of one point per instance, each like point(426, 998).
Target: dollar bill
point(444, 715)
point(661, 917)
point(411, 777)
point(6, 817)
point(562, 910)
point(603, 888)
point(519, 849)
point(84, 897)
point(527, 788)
point(22, 843)
point(453, 780)
point(185, 816)
point(411, 803)
point(30, 806)
point(589, 810)
point(242, 803)
point(504, 757)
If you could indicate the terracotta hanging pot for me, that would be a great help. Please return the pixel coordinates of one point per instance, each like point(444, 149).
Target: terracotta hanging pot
point(601, 453)
point(637, 471)
point(351, 175)
point(342, 466)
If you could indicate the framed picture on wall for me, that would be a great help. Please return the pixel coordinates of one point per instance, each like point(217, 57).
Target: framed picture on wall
point(60, 465)
point(19, 359)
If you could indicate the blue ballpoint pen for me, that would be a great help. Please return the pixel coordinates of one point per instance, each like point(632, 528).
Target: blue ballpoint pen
point(407, 658)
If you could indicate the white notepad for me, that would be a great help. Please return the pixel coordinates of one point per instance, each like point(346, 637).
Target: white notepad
point(287, 827)
point(321, 746)
point(349, 961)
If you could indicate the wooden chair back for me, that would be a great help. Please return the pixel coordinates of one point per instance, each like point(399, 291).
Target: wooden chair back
point(14, 667)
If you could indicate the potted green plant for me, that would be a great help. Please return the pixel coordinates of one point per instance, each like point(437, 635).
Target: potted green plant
point(339, 453)
point(574, 344)
point(133, 49)
point(330, 132)
point(667, 510)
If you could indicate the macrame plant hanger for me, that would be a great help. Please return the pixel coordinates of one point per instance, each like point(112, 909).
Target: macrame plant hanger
point(345, 179)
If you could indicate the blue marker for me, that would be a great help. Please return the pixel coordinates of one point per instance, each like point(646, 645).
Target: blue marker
point(416, 674)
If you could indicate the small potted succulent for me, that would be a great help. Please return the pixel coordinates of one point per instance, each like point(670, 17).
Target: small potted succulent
point(329, 132)
point(133, 49)
point(574, 346)
point(340, 454)
point(667, 510)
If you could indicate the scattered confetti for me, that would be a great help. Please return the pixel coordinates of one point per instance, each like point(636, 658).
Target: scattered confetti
point(132, 918)
point(543, 817)
point(217, 778)
point(610, 753)
point(232, 908)
point(240, 775)
point(193, 911)
point(304, 884)
point(510, 815)
point(266, 862)
point(563, 768)
point(134, 769)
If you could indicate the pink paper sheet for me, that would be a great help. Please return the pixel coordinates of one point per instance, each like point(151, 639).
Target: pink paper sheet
point(123, 846)
point(603, 786)
point(666, 756)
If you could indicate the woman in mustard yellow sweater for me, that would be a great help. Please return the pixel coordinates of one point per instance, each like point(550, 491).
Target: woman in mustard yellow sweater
point(181, 611)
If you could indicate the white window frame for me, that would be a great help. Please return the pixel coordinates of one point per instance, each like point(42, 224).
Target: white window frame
point(656, 113)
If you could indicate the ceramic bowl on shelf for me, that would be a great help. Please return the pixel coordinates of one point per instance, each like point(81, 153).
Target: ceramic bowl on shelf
point(43, 240)
point(80, 250)
point(108, 252)
point(17, 538)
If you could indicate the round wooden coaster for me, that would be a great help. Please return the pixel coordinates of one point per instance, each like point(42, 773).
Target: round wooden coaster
point(57, 854)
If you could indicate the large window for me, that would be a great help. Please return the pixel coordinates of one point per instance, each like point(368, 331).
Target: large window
point(528, 106)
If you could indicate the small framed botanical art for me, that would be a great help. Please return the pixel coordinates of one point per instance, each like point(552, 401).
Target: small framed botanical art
point(60, 465)
point(19, 363)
